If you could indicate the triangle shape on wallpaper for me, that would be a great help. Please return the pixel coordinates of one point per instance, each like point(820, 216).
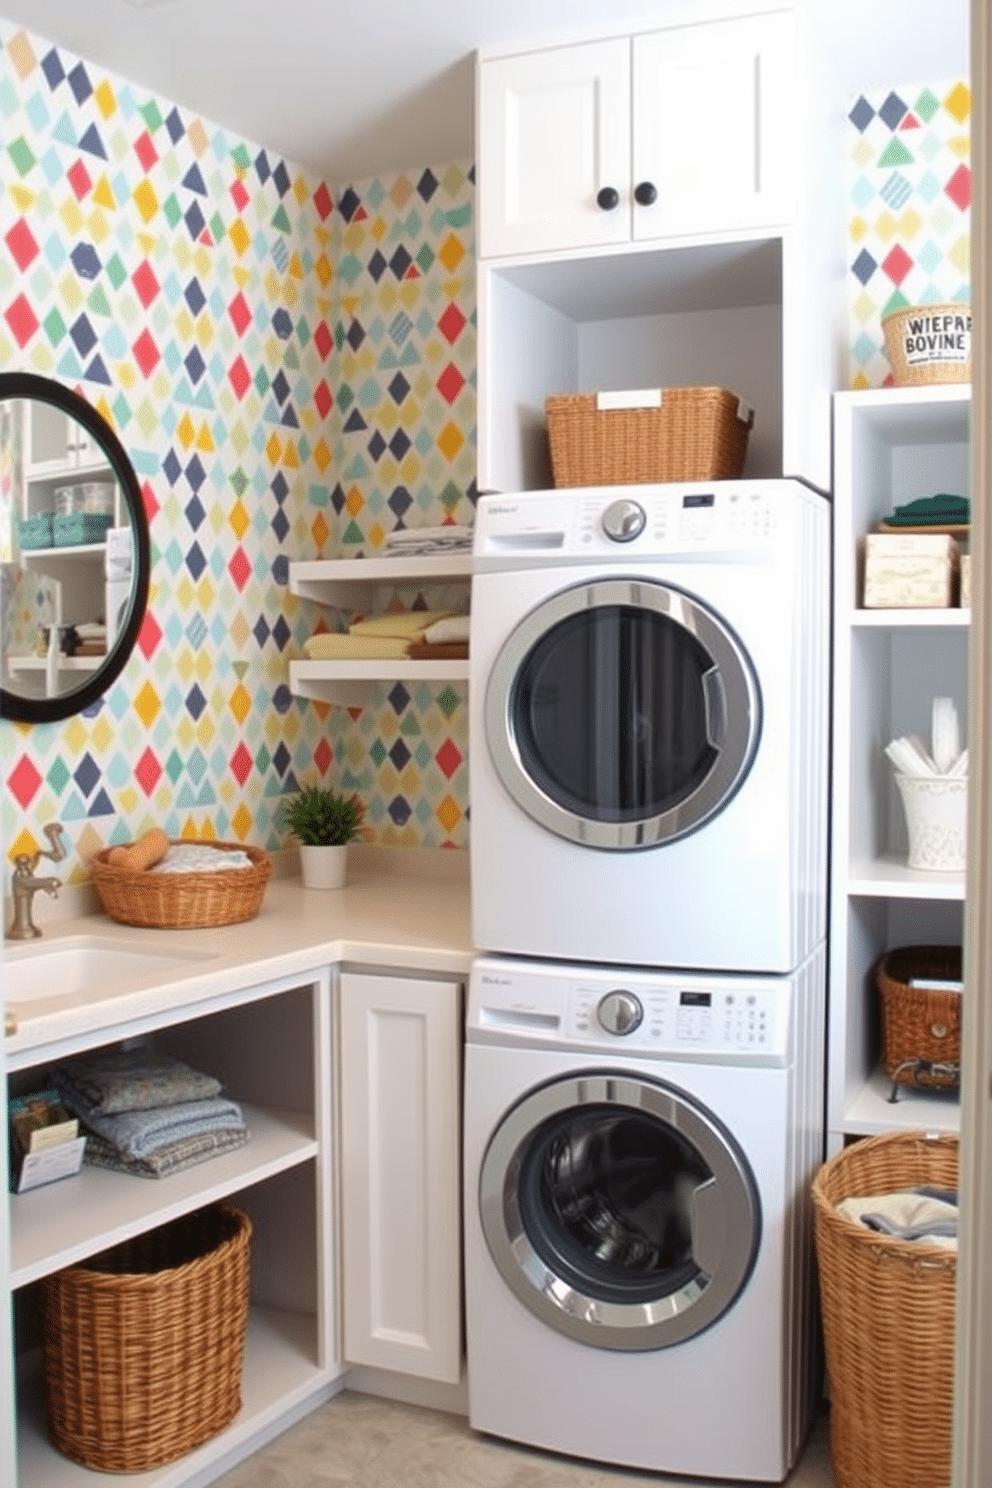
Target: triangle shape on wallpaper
point(92, 143)
point(895, 153)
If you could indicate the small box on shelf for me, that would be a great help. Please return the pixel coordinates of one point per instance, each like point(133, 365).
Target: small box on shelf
point(911, 570)
point(44, 1140)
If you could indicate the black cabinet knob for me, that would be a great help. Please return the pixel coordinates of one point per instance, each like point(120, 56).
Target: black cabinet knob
point(645, 193)
point(607, 197)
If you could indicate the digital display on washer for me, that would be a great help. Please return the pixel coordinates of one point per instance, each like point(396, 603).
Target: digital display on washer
point(695, 999)
point(705, 498)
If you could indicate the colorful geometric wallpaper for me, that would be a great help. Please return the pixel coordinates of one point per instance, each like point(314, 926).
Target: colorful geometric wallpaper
point(909, 189)
point(291, 371)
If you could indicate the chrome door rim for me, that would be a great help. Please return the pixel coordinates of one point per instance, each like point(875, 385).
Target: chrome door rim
point(640, 1325)
point(730, 662)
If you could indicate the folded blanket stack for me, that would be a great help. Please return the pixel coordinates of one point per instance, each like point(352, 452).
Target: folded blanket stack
point(423, 634)
point(424, 541)
point(148, 1113)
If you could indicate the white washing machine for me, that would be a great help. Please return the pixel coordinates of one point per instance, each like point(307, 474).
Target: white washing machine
point(648, 724)
point(638, 1154)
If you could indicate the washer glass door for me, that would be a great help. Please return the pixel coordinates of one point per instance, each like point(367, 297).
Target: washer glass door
point(622, 714)
point(618, 1210)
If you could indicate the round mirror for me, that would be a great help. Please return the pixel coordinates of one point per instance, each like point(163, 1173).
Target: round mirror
point(74, 551)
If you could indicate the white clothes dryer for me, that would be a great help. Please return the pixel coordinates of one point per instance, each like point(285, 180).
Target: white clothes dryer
point(638, 1151)
point(648, 724)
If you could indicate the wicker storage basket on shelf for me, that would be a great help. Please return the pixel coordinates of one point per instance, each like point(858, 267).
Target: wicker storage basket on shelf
point(921, 1026)
point(928, 344)
point(696, 433)
point(183, 901)
point(888, 1319)
point(143, 1345)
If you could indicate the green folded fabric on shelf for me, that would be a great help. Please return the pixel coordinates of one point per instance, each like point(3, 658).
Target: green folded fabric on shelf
point(939, 510)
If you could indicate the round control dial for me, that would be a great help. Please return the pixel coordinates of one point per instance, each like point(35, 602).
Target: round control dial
point(620, 1012)
point(624, 520)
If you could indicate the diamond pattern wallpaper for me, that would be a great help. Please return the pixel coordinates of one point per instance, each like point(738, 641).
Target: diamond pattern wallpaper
point(909, 189)
point(291, 371)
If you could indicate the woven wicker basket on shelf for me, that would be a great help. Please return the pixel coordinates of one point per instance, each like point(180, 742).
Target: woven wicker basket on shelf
point(928, 344)
point(696, 433)
point(183, 901)
point(921, 1026)
point(888, 1319)
point(143, 1345)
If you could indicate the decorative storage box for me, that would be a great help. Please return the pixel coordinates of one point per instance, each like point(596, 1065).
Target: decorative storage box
point(965, 594)
point(34, 532)
point(79, 529)
point(888, 1318)
point(910, 570)
point(921, 1025)
point(654, 434)
point(143, 1345)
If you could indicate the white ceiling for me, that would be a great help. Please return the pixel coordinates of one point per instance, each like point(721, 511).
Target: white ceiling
point(353, 88)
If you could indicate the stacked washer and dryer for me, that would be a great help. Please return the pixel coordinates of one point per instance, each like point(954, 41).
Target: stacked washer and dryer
point(645, 1022)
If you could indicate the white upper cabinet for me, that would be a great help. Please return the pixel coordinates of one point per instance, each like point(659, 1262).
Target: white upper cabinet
point(675, 133)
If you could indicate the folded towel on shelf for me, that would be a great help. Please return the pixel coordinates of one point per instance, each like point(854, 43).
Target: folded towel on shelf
point(425, 540)
point(402, 624)
point(114, 1080)
point(940, 510)
point(172, 1157)
point(438, 651)
point(200, 857)
point(331, 647)
point(927, 1215)
point(455, 628)
point(138, 1134)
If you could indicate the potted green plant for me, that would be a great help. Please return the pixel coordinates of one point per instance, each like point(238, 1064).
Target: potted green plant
point(323, 821)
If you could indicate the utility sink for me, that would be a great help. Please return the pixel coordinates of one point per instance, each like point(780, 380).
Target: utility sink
point(44, 977)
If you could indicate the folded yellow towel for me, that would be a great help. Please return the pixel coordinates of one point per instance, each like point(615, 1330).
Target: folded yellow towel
point(331, 647)
point(410, 624)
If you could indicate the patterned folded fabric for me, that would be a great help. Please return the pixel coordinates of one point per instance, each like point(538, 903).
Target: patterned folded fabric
point(140, 1133)
point(117, 1080)
point(172, 1158)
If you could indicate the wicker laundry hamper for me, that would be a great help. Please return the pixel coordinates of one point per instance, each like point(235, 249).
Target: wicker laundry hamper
point(143, 1344)
point(888, 1319)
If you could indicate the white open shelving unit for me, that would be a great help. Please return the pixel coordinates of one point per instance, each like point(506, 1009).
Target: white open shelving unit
point(282, 1177)
point(351, 584)
point(892, 445)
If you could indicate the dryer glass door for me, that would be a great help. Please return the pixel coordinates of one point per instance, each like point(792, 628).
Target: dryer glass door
point(619, 1211)
point(622, 714)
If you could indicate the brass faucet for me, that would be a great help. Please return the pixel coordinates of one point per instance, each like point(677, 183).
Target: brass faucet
point(24, 885)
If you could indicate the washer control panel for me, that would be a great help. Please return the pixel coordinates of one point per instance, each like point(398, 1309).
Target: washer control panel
point(691, 1018)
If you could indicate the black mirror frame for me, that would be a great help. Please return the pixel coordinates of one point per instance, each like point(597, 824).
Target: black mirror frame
point(57, 395)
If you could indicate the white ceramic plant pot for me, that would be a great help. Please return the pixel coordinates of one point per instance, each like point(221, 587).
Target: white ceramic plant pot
point(323, 867)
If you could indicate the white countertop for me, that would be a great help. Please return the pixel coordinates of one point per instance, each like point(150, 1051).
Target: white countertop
point(386, 920)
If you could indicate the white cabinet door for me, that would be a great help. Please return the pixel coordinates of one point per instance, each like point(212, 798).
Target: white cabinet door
point(674, 133)
point(711, 126)
point(553, 133)
point(400, 1048)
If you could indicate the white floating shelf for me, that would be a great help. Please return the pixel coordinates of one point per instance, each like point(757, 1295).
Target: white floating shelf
point(336, 581)
point(354, 682)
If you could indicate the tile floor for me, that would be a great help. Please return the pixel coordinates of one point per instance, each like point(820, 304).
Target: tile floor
point(356, 1441)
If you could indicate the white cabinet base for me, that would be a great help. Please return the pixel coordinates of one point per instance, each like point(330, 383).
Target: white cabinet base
point(400, 1046)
